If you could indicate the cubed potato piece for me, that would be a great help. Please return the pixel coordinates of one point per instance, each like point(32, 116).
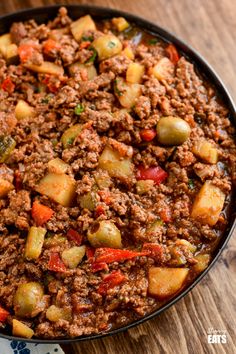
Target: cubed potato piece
point(202, 262)
point(107, 46)
point(34, 242)
point(5, 187)
point(73, 256)
point(164, 69)
point(134, 73)
point(205, 151)
point(88, 200)
point(120, 23)
point(46, 67)
point(58, 187)
point(77, 67)
point(165, 282)
point(57, 166)
point(55, 313)
point(82, 25)
point(128, 52)
point(117, 166)
point(11, 53)
point(19, 329)
point(208, 204)
point(126, 93)
point(70, 134)
point(23, 110)
point(144, 186)
point(5, 42)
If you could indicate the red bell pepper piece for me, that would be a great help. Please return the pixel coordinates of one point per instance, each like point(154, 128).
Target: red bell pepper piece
point(157, 174)
point(90, 251)
point(7, 85)
point(25, 52)
point(55, 263)
point(165, 214)
point(173, 53)
point(41, 213)
point(52, 83)
point(50, 46)
point(84, 44)
point(99, 211)
point(96, 267)
point(110, 281)
point(3, 314)
point(154, 251)
point(148, 134)
point(110, 255)
point(74, 236)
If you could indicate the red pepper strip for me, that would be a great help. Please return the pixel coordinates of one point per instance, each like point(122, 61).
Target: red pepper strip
point(157, 174)
point(165, 214)
point(55, 263)
point(90, 251)
point(50, 46)
point(74, 236)
point(3, 314)
point(154, 251)
point(96, 267)
point(173, 53)
point(148, 134)
point(84, 44)
point(110, 281)
point(109, 255)
point(7, 85)
point(99, 211)
point(41, 213)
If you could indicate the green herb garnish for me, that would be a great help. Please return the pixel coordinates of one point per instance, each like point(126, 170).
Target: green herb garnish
point(93, 57)
point(79, 109)
point(46, 99)
point(153, 41)
point(111, 44)
point(191, 184)
point(116, 90)
point(87, 39)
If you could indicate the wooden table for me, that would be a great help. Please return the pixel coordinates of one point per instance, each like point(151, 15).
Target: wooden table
point(210, 27)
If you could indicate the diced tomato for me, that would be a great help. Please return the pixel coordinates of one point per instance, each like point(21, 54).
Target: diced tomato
point(154, 251)
point(41, 213)
point(84, 44)
point(55, 263)
point(96, 267)
point(25, 52)
point(110, 281)
point(157, 174)
point(52, 83)
point(173, 53)
point(148, 134)
point(99, 211)
point(74, 236)
point(7, 85)
point(3, 314)
point(50, 46)
point(105, 196)
point(90, 251)
point(165, 214)
point(110, 255)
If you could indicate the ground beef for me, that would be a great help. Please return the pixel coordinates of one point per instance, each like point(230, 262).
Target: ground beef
point(79, 149)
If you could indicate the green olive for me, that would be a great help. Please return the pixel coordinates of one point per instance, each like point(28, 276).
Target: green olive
point(104, 234)
point(27, 299)
point(172, 131)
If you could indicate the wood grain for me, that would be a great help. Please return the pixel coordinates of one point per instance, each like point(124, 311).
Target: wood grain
point(210, 27)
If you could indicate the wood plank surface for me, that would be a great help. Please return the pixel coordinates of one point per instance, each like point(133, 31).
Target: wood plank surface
point(210, 27)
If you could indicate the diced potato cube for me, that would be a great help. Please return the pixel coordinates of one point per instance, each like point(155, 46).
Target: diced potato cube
point(202, 262)
point(88, 200)
point(107, 46)
point(103, 180)
point(73, 256)
point(11, 52)
point(57, 166)
point(165, 282)
point(5, 42)
point(58, 187)
point(19, 329)
point(46, 67)
point(114, 164)
point(208, 204)
point(128, 52)
point(126, 93)
point(34, 242)
point(134, 73)
point(144, 186)
point(120, 23)
point(164, 69)
point(82, 25)
point(23, 110)
point(70, 134)
point(77, 67)
point(205, 151)
point(5, 187)
point(55, 314)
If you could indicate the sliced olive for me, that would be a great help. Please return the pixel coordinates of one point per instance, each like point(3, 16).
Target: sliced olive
point(27, 299)
point(104, 234)
point(7, 145)
point(172, 131)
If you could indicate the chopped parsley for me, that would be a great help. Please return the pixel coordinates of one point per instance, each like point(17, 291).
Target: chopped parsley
point(191, 184)
point(93, 57)
point(87, 39)
point(116, 90)
point(46, 99)
point(153, 41)
point(79, 109)
point(111, 44)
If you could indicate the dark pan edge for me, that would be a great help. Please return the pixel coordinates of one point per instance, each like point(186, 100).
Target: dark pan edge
point(208, 71)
